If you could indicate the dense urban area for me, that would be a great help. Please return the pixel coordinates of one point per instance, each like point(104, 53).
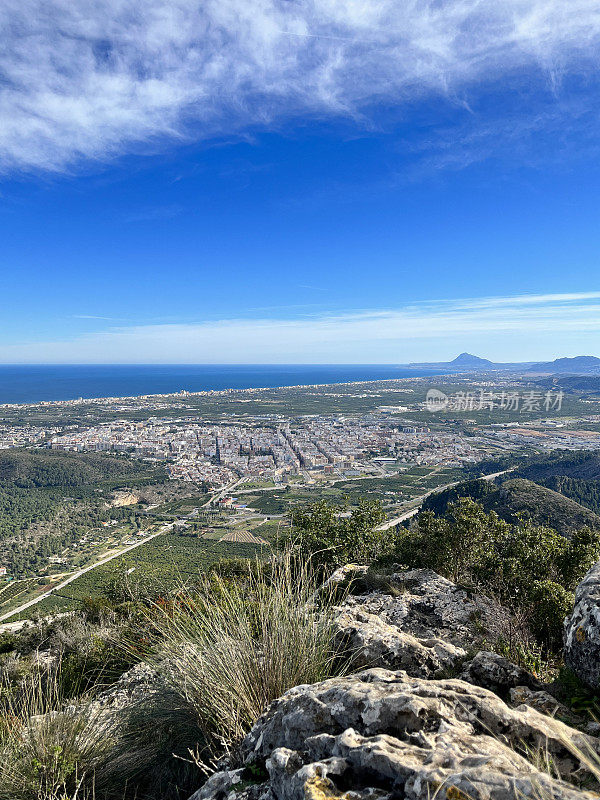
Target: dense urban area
point(133, 529)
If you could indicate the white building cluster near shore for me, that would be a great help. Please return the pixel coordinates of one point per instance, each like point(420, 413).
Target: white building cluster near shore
point(24, 435)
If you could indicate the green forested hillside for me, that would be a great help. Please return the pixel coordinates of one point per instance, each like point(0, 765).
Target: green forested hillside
point(44, 468)
point(572, 464)
point(518, 496)
point(574, 474)
point(582, 491)
point(48, 500)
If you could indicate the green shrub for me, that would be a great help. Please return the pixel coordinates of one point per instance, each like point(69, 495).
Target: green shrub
point(7, 643)
point(582, 552)
point(551, 604)
point(575, 694)
point(529, 568)
point(331, 540)
point(455, 546)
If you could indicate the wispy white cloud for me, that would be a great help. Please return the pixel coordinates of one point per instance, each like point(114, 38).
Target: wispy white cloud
point(95, 78)
point(512, 328)
point(153, 213)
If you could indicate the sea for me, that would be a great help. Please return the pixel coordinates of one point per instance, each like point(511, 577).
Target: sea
point(37, 383)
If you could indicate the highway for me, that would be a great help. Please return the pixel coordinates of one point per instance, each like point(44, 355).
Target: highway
point(390, 523)
point(226, 490)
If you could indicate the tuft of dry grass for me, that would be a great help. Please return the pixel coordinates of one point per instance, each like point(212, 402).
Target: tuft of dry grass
point(224, 651)
point(49, 750)
point(231, 649)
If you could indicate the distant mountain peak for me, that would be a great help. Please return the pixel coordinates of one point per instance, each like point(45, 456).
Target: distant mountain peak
point(583, 361)
point(469, 360)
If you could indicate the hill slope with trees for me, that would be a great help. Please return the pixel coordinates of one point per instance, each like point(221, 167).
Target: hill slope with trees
point(517, 497)
point(44, 468)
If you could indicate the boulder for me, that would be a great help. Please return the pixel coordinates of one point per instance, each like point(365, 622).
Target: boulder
point(428, 607)
point(582, 630)
point(375, 643)
point(547, 704)
point(424, 625)
point(498, 674)
point(380, 735)
point(221, 784)
point(134, 686)
point(343, 576)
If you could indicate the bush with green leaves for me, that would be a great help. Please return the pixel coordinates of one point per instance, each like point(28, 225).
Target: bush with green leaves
point(7, 642)
point(527, 567)
point(329, 538)
point(454, 546)
point(551, 603)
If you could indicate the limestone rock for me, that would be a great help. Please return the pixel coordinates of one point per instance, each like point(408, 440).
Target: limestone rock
point(545, 703)
point(582, 630)
point(137, 684)
point(380, 735)
point(375, 643)
point(343, 575)
point(498, 674)
point(423, 627)
point(229, 783)
point(429, 607)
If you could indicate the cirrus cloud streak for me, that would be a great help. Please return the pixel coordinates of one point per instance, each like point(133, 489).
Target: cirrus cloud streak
point(96, 78)
point(504, 326)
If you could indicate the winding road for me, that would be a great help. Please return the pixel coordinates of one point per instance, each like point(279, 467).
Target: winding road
point(390, 523)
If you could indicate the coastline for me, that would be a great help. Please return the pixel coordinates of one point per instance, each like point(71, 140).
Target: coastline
point(181, 394)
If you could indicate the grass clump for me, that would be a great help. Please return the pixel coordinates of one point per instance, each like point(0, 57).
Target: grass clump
point(49, 750)
point(234, 648)
point(224, 652)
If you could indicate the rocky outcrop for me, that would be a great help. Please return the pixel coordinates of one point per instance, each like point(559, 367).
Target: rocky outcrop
point(424, 625)
point(135, 685)
point(548, 704)
point(582, 630)
point(491, 671)
point(430, 712)
point(428, 606)
point(124, 497)
point(375, 643)
point(379, 735)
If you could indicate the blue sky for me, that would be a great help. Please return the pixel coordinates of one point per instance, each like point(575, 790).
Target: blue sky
point(333, 181)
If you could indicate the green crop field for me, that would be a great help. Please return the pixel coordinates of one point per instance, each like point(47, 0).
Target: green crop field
point(161, 564)
point(395, 488)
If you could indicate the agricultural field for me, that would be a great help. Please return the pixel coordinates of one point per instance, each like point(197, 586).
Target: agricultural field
point(356, 398)
point(257, 483)
point(390, 490)
point(161, 564)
